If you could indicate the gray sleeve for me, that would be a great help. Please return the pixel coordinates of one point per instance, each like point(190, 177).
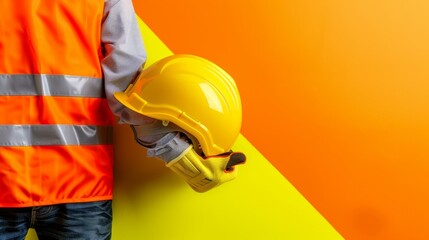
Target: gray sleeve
point(124, 54)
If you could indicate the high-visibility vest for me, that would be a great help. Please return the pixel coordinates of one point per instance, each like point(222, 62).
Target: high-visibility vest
point(55, 125)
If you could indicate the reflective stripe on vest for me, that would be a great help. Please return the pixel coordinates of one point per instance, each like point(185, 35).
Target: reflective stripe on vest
point(51, 135)
point(50, 85)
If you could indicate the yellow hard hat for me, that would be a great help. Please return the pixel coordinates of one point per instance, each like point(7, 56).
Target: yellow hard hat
point(193, 93)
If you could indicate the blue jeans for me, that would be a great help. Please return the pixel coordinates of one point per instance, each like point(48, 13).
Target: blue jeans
point(92, 220)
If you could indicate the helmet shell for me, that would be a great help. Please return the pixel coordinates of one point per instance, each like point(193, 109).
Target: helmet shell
point(193, 93)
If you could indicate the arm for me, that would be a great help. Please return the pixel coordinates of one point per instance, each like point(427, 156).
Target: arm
point(124, 56)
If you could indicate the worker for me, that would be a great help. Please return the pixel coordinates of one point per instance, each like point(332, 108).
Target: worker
point(61, 62)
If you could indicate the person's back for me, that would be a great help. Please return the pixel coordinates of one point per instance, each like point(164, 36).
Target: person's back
point(54, 142)
point(55, 129)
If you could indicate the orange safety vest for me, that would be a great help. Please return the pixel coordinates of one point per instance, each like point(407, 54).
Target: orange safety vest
point(55, 124)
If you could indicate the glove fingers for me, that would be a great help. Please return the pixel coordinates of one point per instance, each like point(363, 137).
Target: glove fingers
point(235, 159)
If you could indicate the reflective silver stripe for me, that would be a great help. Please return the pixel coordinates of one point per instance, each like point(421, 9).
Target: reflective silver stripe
point(50, 85)
point(48, 135)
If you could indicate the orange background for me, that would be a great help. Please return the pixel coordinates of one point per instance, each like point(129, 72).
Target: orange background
point(335, 95)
